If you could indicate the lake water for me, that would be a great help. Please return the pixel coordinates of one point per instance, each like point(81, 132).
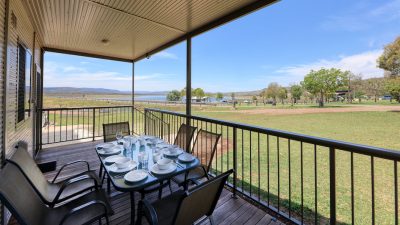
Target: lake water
point(152, 98)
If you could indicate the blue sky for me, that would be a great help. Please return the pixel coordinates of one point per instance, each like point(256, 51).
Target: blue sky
point(280, 43)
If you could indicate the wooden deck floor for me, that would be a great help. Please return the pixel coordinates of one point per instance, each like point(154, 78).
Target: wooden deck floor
point(228, 211)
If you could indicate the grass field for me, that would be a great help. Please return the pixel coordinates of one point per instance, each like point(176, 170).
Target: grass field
point(375, 128)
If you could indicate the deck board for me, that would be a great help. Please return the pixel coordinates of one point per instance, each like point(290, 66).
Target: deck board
point(228, 211)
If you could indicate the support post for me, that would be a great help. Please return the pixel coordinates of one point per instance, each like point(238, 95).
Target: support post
point(188, 89)
point(234, 161)
point(94, 123)
point(332, 185)
point(133, 97)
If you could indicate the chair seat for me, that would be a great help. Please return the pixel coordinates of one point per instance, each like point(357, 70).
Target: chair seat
point(194, 174)
point(83, 216)
point(71, 189)
point(166, 208)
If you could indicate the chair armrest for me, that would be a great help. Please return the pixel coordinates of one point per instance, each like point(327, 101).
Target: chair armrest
point(149, 211)
point(76, 180)
point(82, 207)
point(68, 164)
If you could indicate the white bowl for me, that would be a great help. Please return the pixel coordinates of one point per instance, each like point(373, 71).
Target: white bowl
point(164, 163)
point(122, 163)
point(172, 149)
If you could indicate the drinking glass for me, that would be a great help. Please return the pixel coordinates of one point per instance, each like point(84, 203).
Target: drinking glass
point(143, 158)
point(119, 136)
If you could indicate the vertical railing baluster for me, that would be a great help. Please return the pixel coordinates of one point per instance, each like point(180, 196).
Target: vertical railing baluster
point(332, 185)
point(352, 185)
point(302, 182)
point(396, 201)
point(315, 185)
point(258, 167)
point(372, 191)
point(242, 160)
point(290, 180)
point(250, 164)
point(279, 174)
point(268, 198)
point(234, 161)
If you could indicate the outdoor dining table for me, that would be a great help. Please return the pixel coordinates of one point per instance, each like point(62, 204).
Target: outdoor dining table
point(119, 183)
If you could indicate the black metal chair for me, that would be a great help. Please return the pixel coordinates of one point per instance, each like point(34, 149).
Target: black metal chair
point(26, 206)
point(204, 148)
point(110, 130)
point(185, 207)
point(53, 192)
point(180, 140)
point(182, 135)
point(109, 134)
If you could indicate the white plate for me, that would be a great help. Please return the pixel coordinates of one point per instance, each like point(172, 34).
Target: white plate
point(114, 150)
point(168, 153)
point(163, 145)
point(186, 157)
point(136, 176)
point(105, 145)
point(112, 159)
point(114, 169)
point(156, 170)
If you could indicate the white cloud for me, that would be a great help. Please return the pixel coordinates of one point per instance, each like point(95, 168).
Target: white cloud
point(363, 63)
point(61, 75)
point(362, 18)
point(165, 55)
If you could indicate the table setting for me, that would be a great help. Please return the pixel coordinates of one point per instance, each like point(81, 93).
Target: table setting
point(136, 158)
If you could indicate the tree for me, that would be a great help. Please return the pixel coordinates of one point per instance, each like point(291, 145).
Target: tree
point(199, 93)
point(324, 81)
point(282, 94)
point(174, 95)
point(392, 86)
point(296, 92)
point(262, 95)
point(354, 86)
point(390, 58)
point(219, 96)
point(374, 87)
point(254, 98)
point(272, 92)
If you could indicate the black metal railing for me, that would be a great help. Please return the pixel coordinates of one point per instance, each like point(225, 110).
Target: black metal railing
point(302, 178)
point(71, 124)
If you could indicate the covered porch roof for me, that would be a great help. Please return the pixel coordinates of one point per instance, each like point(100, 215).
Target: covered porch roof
point(128, 30)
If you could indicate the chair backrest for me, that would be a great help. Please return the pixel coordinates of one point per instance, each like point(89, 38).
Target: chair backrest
point(25, 163)
point(19, 197)
point(201, 200)
point(205, 147)
point(182, 135)
point(110, 130)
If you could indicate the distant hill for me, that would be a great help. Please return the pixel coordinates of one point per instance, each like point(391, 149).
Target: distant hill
point(72, 90)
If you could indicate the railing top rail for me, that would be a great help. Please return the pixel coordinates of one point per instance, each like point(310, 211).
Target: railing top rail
point(330, 143)
point(91, 107)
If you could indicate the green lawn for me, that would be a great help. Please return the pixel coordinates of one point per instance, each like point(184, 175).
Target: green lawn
point(379, 129)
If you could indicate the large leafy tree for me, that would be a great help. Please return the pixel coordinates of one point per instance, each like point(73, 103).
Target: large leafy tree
point(324, 82)
point(272, 91)
point(374, 87)
point(174, 95)
point(390, 59)
point(199, 93)
point(392, 86)
point(296, 92)
point(282, 94)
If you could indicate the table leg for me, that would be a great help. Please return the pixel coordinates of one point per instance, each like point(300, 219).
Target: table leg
point(132, 195)
point(108, 184)
point(100, 170)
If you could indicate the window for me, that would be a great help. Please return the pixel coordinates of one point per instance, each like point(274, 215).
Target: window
point(24, 83)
